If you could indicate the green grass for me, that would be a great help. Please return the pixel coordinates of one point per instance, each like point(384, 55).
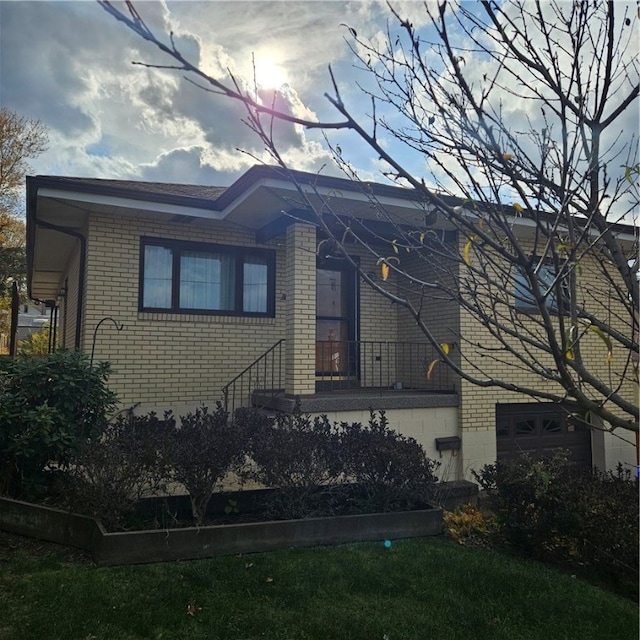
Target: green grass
point(423, 589)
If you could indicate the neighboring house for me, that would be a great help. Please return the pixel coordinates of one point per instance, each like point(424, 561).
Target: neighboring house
point(223, 288)
point(31, 319)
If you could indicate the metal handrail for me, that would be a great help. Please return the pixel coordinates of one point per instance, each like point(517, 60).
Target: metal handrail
point(239, 391)
point(344, 365)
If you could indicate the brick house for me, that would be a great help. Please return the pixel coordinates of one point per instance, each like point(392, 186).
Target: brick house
point(223, 295)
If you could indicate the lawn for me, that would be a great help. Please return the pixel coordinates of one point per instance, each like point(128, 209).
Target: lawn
point(423, 589)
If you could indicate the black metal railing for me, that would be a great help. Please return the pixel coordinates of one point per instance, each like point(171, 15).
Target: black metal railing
point(381, 365)
point(344, 365)
point(265, 374)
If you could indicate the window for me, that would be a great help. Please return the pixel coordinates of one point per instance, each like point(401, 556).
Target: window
point(189, 277)
point(524, 299)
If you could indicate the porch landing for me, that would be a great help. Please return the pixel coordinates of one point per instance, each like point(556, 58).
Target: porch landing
point(357, 400)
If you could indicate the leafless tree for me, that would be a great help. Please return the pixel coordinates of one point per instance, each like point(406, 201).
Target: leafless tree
point(517, 112)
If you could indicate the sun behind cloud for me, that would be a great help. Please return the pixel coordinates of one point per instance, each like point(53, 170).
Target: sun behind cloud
point(269, 74)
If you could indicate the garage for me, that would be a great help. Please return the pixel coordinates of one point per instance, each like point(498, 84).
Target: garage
point(538, 428)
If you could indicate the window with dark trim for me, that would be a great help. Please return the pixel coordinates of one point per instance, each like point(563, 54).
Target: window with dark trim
point(194, 277)
point(524, 298)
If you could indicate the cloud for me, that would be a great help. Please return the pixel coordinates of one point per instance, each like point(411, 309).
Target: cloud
point(185, 166)
point(69, 65)
point(71, 68)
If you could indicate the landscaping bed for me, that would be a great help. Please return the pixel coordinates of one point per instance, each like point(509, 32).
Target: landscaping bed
point(170, 544)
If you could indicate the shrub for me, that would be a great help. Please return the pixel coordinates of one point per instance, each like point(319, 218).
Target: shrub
point(48, 406)
point(392, 470)
point(296, 454)
point(469, 525)
point(36, 344)
point(528, 498)
point(201, 452)
point(111, 473)
point(549, 510)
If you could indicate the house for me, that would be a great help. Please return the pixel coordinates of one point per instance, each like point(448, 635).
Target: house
point(228, 294)
point(31, 319)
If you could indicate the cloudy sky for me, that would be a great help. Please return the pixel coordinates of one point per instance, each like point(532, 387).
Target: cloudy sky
point(69, 64)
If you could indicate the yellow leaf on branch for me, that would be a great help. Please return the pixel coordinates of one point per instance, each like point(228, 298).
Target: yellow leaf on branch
point(604, 337)
point(384, 264)
point(430, 368)
point(466, 253)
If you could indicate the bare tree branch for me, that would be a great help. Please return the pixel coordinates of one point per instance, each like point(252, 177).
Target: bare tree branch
point(538, 259)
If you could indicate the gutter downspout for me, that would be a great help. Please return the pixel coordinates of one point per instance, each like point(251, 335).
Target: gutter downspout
point(13, 331)
point(81, 271)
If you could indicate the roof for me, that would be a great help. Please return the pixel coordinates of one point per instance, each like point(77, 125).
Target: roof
point(217, 198)
point(221, 196)
point(135, 190)
point(202, 192)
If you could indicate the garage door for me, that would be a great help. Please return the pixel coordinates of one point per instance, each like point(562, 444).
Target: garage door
point(538, 429)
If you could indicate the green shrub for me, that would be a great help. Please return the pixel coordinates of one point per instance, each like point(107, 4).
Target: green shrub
point(296, 454)
point(201, 451)
point(392, 471)
point(35, 344)
point(549, 510)
point(49, 405)
point(112, 472)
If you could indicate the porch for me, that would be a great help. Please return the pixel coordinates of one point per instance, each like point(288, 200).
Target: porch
point(349, 375)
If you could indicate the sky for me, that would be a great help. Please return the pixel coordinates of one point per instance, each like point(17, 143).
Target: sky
point(69, 65)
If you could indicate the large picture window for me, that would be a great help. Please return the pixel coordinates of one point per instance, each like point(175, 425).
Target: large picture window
point(203, 278)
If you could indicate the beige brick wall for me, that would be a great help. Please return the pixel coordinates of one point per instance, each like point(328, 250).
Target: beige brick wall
point(167, 360)
point(440, 314)
point(179, 361)
point(378, 315)
point(378, 324)
point(382, 320)
point(300, 278)
point(477, 404)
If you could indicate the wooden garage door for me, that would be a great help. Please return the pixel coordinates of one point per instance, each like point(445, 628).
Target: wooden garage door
point(538, 429)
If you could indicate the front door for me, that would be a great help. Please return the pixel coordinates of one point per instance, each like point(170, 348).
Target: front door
point(336, 304)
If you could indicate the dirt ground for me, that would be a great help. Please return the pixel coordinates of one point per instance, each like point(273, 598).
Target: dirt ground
point(12, 545)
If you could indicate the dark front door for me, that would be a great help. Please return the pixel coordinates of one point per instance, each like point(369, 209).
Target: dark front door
point(336, 304)
point(538, 428)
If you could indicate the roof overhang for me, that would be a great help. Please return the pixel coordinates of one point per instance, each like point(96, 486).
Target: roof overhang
point(264, 194)
point(264, 199)
point(58, 211)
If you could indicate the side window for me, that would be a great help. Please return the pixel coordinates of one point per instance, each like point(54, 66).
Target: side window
point(523, 297)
